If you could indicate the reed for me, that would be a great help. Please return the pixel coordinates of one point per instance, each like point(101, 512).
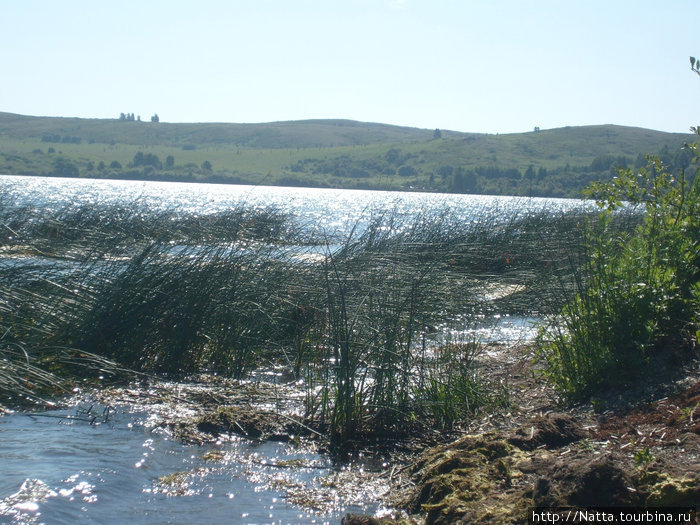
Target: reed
point(357, 317)
point(184, 302)
point(386, 288)
point(22, 379)
point(35, 375)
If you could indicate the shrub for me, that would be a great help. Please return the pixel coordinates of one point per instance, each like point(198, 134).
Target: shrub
point(637, 292)
point(407, 171)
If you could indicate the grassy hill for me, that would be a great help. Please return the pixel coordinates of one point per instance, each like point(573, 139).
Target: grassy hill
point(292, 134)
point(328, 153)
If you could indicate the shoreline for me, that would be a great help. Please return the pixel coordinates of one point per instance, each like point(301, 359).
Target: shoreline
point(636, 449)
point(639, 449)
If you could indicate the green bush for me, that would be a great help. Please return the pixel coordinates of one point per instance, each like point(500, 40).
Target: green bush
point(635, 305)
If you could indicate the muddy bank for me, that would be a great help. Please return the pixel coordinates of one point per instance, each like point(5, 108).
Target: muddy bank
point(557, 461)
point(643, 454)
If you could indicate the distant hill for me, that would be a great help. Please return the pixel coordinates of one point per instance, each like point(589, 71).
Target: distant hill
point(291, 134)
point(331, 153)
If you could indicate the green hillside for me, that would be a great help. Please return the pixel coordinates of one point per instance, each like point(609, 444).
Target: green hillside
point(293, 134)
point(330, 153)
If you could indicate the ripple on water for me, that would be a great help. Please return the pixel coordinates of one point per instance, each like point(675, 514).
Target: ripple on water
point(65, 471)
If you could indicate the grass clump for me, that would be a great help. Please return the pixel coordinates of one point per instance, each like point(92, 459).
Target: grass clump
point(387, 288)
point(453, 388)
point(636, 302)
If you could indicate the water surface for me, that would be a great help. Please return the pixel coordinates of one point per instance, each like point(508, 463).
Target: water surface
point(59, 468)
point(329, 209)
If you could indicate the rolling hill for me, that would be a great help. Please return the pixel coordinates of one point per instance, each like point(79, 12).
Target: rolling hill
point(330, 153)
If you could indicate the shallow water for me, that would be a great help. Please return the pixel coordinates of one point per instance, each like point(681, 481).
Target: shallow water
point(59, 468)
point(493, 329)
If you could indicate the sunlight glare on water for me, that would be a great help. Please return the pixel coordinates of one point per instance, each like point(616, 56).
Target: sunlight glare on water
point(328, 209)
point(122, 471)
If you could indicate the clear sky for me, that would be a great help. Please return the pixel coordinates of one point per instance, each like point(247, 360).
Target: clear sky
point(495, 66)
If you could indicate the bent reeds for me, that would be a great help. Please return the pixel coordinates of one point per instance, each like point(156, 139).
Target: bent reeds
point(171, 293)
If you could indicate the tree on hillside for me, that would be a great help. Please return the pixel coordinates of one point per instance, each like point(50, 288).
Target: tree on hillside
point(155, 118)
point(437, 134)
point(407, 171)
point(464, 181)
point(146, 159)
point(64, 168)
point(393, 156)
point(445, 171)
point(529, 173)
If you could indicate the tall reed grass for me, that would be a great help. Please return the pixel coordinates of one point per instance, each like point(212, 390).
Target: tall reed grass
point(353, 315)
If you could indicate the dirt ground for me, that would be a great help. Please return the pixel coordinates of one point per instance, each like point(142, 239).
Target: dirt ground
point(640, 448)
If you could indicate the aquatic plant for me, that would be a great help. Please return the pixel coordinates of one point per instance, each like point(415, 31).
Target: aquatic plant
point(34, 375)
point(203, 296)
point(386, 288)
point(355, 316)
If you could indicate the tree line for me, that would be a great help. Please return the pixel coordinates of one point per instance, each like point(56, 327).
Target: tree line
point(559, 181)
point(130, 117)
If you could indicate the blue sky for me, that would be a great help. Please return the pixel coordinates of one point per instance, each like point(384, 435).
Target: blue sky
point(495, 66)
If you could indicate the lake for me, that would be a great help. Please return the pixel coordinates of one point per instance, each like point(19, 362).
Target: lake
point(327, 209)
point(59, 468)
